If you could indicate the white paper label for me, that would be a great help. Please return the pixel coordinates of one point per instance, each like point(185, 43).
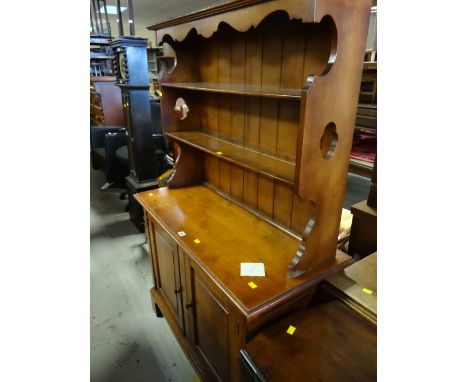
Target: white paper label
point(252, 269)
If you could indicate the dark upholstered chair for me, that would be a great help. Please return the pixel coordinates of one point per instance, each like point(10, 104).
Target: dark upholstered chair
point(105, 141)
point(109, 150)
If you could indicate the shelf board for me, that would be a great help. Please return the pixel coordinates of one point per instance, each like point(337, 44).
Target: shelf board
point(100, 57)
point(272, 167)
point(242, 89)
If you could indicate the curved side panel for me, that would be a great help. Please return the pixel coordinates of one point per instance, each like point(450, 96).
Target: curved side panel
point(330, 100)
point(188, 170)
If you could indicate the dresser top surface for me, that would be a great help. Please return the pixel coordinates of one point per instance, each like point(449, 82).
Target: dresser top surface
point(228, 235)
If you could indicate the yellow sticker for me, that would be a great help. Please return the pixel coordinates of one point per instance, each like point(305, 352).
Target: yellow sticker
point(197, 379)
point(368, 291)
point(252, 285)
point(196, 241)
point(291, 330)
point(219, 152)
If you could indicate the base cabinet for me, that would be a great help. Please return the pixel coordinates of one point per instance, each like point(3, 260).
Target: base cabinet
point(204, 319)
point(210, 322)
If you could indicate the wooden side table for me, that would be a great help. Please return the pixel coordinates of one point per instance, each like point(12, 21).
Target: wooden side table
point(363, 238)
point(334, 340)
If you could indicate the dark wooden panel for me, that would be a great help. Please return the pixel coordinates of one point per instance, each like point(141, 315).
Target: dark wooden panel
point(250, 188)
point(292, 64)
point(211, 329)
point(266, 192)
point(209, 60)
point(253, 75)
point(211, 167)
point(283, 204)
point(268, 125)
point(363, 237)
point(209, 114)
point(237, 182)
point(272, 34)
point(224, 115)
point(167, 262)
point(271, 75)
point(224, 76)
point(225, 176)
point(288, 124)
point(209, 73)
point(252, 122)
point(237, 77)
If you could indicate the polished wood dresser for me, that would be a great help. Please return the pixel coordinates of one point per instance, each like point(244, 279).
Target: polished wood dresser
point(105, 102)
point(260, 112)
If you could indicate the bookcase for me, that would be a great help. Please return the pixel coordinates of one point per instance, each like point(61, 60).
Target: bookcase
point(260, 111)
point(152, 54)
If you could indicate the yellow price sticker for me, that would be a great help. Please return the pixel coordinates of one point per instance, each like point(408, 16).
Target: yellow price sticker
point(291, 330)
point(196, 241)
point(219, 152)
point(367, 291)
point(252, 285)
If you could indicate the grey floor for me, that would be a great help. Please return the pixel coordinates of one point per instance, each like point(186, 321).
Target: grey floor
point(128, 341)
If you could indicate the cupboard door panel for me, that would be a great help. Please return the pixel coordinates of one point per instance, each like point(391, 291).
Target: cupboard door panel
point(169, 280)
point(210, 327)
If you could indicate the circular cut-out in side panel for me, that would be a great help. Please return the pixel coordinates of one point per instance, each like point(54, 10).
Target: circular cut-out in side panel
point(328, 141)
point(329, 23)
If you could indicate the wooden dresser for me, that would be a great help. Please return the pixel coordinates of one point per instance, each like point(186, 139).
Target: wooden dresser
point(260, 112)
point(105, 102)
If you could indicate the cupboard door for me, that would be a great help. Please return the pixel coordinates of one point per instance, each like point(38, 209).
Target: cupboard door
point(209, 323)
point(169, 278)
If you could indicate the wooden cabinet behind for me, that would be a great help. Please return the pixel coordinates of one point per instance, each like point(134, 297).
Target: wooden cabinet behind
point(105, 102)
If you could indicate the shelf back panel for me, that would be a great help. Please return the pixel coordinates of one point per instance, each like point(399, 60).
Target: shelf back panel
point(273, 199)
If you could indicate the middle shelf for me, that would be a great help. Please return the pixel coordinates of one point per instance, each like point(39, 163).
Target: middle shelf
point(272, 167)
point(239, 89)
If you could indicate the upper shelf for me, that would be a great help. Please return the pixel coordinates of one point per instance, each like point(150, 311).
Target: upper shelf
point(241, 89)
point(272, 167)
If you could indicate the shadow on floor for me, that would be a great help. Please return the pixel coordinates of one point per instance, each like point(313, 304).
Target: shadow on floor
point(116, 229)
point(135, 363)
